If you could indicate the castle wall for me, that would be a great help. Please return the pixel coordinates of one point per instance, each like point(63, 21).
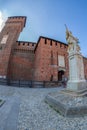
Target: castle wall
point(46, 59)
point(22, 61)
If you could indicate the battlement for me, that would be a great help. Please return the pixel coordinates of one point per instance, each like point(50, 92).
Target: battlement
point(51, 42)
point(17, 20)
point(24, 45)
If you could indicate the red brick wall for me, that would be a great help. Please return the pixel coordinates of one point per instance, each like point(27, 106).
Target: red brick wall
point(44, 69)
point(22, 45)
point(22, 61)
point(37, 61)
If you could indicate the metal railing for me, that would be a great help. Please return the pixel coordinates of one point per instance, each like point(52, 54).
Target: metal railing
point(30, 83)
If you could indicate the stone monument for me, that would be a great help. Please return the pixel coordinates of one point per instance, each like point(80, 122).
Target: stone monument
point(76, 80)
point(72, 101)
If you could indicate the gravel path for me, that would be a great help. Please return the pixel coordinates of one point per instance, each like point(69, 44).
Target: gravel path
point(35, 114)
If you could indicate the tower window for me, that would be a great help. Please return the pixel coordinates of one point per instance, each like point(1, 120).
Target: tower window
point(4, 39)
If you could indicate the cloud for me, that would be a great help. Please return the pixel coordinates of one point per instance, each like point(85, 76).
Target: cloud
point(3, 17)
point(1, 20)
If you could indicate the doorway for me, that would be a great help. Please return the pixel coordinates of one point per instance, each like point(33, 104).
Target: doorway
point(60, 74)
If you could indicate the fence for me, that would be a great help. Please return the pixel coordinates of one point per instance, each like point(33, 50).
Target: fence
point(29, 83)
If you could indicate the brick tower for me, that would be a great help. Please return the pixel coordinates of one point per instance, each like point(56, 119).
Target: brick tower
point(8, 37)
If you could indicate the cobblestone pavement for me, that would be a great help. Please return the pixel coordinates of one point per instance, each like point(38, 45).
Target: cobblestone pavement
point(35, 114)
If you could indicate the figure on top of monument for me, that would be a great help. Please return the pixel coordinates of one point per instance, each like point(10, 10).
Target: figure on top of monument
point(70, 38)
point(72, 41)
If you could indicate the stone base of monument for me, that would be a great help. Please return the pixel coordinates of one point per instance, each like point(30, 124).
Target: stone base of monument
point(78, 93)
point(68, 103)
point(77, 85)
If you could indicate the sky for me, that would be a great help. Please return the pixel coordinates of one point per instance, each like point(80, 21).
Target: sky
point(48, 17)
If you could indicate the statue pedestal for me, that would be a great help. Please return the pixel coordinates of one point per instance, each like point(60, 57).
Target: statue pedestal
point(76, 85)
point(76, 69)
point(72, 102)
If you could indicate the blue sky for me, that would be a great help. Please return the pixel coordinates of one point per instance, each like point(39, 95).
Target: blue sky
point(47, 18)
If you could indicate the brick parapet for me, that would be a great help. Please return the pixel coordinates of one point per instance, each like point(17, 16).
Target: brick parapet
point(22, 65)
point(23, 45)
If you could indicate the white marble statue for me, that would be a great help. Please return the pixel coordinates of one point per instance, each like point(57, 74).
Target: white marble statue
point(70, 38)
point(76, 67)
point(72, 41)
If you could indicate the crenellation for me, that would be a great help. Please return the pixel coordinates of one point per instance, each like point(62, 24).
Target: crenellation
point(25, 45)
point(16, 21)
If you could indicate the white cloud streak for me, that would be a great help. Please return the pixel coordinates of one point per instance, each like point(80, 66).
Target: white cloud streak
point(1, 21)
point(3, 17)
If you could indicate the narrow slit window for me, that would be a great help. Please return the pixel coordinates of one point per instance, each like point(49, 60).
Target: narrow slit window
point(51, 43)
point(51, 58)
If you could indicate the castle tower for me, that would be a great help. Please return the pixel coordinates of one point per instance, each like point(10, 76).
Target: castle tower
point(8, 38)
